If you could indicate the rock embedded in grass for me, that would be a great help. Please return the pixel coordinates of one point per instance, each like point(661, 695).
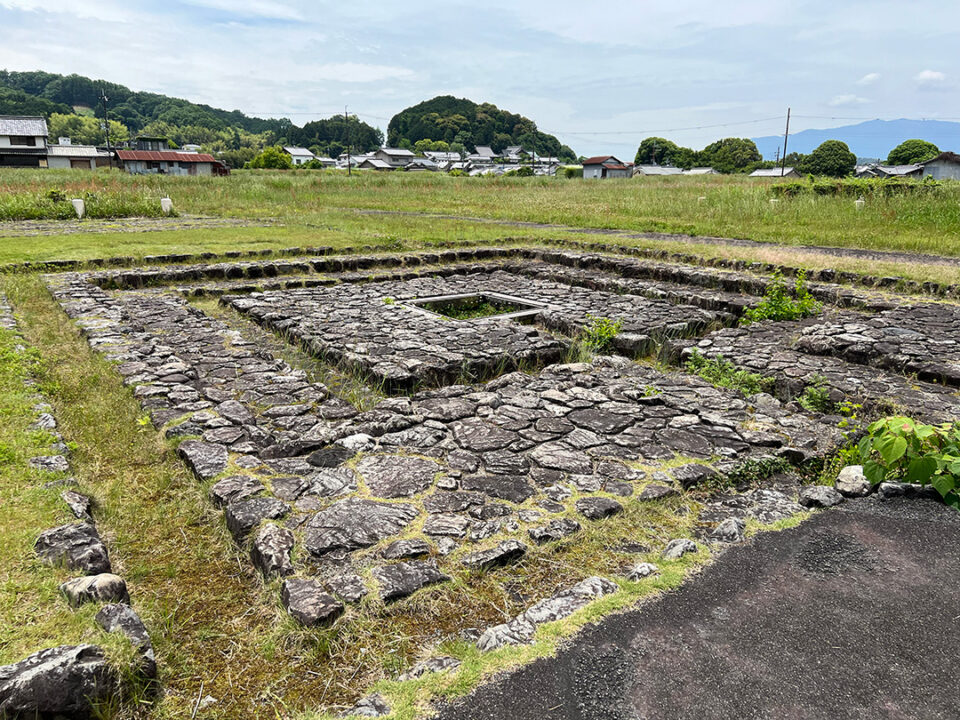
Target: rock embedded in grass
point(729, 531)
point(405, 549)
point(79, 504)
point(353, 523)
point(50, 463)
point(348, 586)
point(654, 491)
point(641, 571)
point(64, 681)
point(244, 515)
point(393, 476)
point(104, 587)
point(205, 459)
point(308, 603)
point(271, 551)
point(677, 548)
point(503, 553)
point(401, 579)
point(693, 474)
point(431, 665)
point(554, 530)
point(370, 706)
point(234, 488)
point(597, 508)
point(76, 546)
point(122, 618)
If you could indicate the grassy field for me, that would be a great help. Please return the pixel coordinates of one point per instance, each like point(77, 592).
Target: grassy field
point(720, 206)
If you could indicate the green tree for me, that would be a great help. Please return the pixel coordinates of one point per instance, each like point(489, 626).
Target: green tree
point(656, 151)
point(729, 155)
point(831, 158)
point(912, 151)
point(84, 130)
point(271, 158)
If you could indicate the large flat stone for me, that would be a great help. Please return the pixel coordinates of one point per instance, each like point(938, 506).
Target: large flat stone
point(353, 523)
point(77, 546)
point(401, 579)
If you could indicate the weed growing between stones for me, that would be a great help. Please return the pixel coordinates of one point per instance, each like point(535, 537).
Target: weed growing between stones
point(779, 304)
point(816, 396)
point(721, 372)
point(599, 333)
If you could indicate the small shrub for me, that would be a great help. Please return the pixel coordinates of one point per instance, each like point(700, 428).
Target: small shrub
point(898, 448)
point(573, 172)
point(779, 304)
point(597, 336)
point(816, 397)
point(721, 372)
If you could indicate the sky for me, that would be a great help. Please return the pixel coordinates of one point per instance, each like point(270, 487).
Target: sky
point(600, 75)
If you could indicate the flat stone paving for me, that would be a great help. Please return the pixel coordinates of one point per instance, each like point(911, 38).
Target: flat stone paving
point(371, 327)
point(850, 615)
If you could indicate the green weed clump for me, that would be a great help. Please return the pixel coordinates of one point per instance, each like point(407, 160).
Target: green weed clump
point(816, 396)
point(779, 304)
point(599, 333)
point(857, 187)
point(55, 205)
point(899, 448)
point(721, 372)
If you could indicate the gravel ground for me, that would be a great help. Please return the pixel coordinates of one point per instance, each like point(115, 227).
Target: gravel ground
point(851, 615)
point(39, 228)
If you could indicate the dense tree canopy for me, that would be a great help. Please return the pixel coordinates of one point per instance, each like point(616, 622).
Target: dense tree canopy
point(458, 120)
point(730, 155)
point(273, 158)
point(831, 158)
point(912, 151)
point(69, 103)
point(660, 151)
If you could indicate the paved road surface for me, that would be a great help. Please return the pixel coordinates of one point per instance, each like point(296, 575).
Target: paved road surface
point(854, 614)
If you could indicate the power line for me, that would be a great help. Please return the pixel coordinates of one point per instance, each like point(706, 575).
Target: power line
point(640, 131)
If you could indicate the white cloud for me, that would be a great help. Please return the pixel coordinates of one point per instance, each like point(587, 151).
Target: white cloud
point(266, 9)
point(930, 78)
point(846, 100)
point(869, 79)
point(358, 72)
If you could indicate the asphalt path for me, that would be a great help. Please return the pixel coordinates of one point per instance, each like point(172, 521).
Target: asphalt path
point(853, 614)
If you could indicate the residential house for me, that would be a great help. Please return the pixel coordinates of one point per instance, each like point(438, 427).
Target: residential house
point(299, 155)
point(945, 166)
point(777, 173)
point(394, 157)
point(657, 170)
point(419, 164)
point(66, 155)
point(23, 141)
point(485, 151)
point(169, 162)
point(606, 166)
point(374, 163)
point(154, 143)
point(873, 170)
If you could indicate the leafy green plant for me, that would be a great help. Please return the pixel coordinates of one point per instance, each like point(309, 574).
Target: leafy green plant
point(779, 304)
point(898, 448)
point(389, 301)
point(721, 372)
point(816, 396)
point(599, 333)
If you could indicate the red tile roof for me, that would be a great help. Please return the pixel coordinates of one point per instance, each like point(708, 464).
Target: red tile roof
point(165, 156)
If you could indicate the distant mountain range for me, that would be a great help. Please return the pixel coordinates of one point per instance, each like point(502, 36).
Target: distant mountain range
point(871, 139)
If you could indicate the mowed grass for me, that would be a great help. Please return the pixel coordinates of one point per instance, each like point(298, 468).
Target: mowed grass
point(725, 206)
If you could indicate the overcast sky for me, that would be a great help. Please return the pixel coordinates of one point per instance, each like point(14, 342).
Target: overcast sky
point(601, 75)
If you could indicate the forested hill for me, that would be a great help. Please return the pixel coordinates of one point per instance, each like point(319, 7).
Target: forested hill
point(70, 101)
point(461, 122)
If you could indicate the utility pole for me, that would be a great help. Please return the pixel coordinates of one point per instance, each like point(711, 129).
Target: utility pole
point(777, 160)
point(346, 123)
point(786, 136)
point(106, 124)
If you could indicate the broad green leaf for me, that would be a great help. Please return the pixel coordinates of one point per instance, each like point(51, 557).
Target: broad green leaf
point(921, 469)
point(944, 484)
point(891, 448)
point(874, 472)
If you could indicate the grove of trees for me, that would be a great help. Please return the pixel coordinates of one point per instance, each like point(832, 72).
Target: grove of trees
point(912, 151)
point(730, 155)
point(463, 122)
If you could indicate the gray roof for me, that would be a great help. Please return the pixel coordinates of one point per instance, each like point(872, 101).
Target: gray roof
point(771, 172)
point(297, 151)
point(398, 152)
point(23, 125)
point(485, 151)
point(658, 170)
point(76, 151)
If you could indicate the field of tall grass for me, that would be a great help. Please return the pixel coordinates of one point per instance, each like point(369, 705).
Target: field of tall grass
point(725, 206)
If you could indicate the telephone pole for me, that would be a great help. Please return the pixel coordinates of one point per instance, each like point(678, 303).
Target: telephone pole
point(346, 123)
point(786, 136)
point(106, 124)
